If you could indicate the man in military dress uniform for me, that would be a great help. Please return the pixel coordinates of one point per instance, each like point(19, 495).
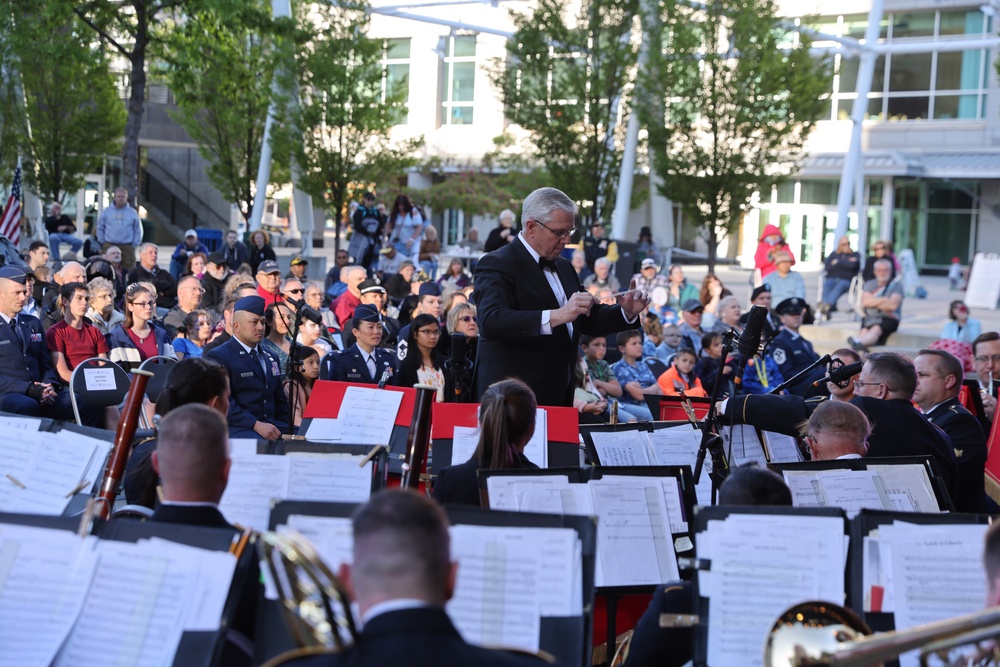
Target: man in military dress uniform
point(364, 362)
point(791, 351)
point(258, 406)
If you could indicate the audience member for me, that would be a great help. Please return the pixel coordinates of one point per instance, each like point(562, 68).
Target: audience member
point(771, 242)
point(423, 364)
point(301, 378)
point(334, 286)
point(710, 361)
point(197, 332)
point(961, 327)
point(579, 262)
point(503, 233)
point(61, 229)
point(268, 282)
point(882, 300)
point(728, 315)
point(791, 351)
point(297, 268)
point(602, 375)
point(119, 225)
point(73, 339)
point(679, 293)
point(278, 320)
point(406, 225)
point(680, 376)
point(184, 251)
point(880, 250)
point(602, 276)
point(147, 270)
point(189, 296)
point(785, 283)
point(101, 311)
point(430, 252)
point(345, 304)
point(691, 331)
point(233, 253)
point(136, 338)
point(455, 278)
point(637, 379)
point(260, 251)
point(841, 267)
point(213, 283)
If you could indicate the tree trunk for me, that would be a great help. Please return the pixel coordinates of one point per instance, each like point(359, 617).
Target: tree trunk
point(133, 124)
point(713, 249)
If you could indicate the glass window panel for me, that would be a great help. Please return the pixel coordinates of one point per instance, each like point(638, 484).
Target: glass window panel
point(844, 109)
point(878, 77)
point(461, 115)
point(962, 22)
point(912, 24)
point(908, 197)
point(397, 48)
point(875, 110)
point(856, 24)
point(463, 82)
point(875, 189)
point(848, 75)
point(910, 72)
point(943, 195)
point(908, 108)
point(464, 46)
point(948, 236)
point(949, 107)
point(396, 76)
point(786, 192)
point(959, 70)
point(818, 192)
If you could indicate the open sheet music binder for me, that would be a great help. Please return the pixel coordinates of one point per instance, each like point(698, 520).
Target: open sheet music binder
point(862, 527)
point(759, 580)
point(283, 447)
point(926, 463)
point(565, 637)
point(327, 396)
point(562, 425)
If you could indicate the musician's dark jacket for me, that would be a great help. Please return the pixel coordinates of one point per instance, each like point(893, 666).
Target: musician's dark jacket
point(511, 294)
point(256, 394)
point(422, 637)
point(653, 646)
point(897, 428)
point(459, 484)
point(970, 452)
point(25, 361)
point(350, 366)
point(207, 516)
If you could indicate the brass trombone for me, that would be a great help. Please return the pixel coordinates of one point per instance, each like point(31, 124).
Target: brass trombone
point(827, 635)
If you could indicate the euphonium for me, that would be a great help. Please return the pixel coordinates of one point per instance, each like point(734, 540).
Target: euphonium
point(313, 601)
point(821, 634)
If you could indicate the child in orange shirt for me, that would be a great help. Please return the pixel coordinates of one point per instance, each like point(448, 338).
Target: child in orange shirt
point(680, 376)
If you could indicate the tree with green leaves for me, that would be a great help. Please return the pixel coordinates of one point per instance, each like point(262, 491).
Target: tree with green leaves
point(63, 110)
point(338, 111)
point(219, 66)
point(566, 84)
point(739, 97)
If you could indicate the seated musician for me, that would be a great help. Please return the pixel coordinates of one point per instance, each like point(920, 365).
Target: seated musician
point(192, 380)
point(401, 578)
point(364, 362)
point(506, 424)
point(652, 645)
point(836, 430)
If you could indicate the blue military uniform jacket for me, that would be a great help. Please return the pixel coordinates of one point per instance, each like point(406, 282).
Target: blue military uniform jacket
point(350, 366)
point(25, 361)
point(793, 354)
point(255, 396)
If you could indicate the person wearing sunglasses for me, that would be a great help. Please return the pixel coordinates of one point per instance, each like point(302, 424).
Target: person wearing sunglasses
point(961, 327)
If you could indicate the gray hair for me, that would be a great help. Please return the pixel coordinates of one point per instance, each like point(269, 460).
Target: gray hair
point(725, 301)
point(507, 214)
point(145, 246)
point(543, 202)
point(580, 253)
point(603, 261)
point(882, 262)
point(98, 285)
point(286, 281)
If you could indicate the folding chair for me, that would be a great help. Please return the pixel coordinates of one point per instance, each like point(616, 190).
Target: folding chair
point(99, 383)
point(657, 366)
point(160, 368)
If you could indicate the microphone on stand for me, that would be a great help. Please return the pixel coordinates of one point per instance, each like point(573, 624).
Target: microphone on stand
point(839, 375)
point(749, 341)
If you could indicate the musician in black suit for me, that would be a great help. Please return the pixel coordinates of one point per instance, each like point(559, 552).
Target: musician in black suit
point(401, 578)
point(364, 362)
point(258, 405)
point(29, 384)
point(939, 379)
point(532, 309)
point(192, 460)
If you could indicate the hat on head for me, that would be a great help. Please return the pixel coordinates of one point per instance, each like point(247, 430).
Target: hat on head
point(692, 305)
point(189, 233)
point(298, 260)
point(648, 262)
point(430, 289)
point(366, 313)
point(14, 273)
point(269, 266)
point(791, 306)
point(218, 259)
point(251, 304)
point(405, 263)
point(371, 285)
point(757, 291)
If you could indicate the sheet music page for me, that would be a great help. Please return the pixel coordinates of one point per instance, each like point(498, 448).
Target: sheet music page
point(742, 445)
point(98, 462)
point(57, 469)
point(254, 481)
point(44, 578)
point(670, 487)
point(761, 565)
point(213, 579)
point(537, 449)
point(804, 487)
point(621, 448)
point(244, 446)
point(503, 489)
point(783, 448)
point(16, 457)
point(330, 535)
point(335, 480)
point(851, 490)
point(321, 429)
point(496, 601)
point(937, 573)
point(367, 416)
point(155, 583)
point(908, 480)
point(572, 499)
point(675, 446)
point(633, 534)
point(12, 424)
point(464, 443)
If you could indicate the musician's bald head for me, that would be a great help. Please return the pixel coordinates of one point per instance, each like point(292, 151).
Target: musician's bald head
point(751, 484)
point(401, 551)
point(192, 454)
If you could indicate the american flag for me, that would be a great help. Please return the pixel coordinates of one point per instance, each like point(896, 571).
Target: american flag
point(10, 221)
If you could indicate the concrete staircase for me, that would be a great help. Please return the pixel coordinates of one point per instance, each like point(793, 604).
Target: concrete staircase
point(832, 335)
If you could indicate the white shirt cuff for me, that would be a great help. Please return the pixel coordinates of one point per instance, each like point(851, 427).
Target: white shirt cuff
point(628, 319)
point(546, 327)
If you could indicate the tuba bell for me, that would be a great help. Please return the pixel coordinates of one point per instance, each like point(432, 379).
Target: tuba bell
point(821, 634)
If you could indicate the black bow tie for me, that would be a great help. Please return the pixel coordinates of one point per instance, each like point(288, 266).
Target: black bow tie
point(546, 264)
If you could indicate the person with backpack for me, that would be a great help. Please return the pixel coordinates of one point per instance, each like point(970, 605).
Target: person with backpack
point(367, 225)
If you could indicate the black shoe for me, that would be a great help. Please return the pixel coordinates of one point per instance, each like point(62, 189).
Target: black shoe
point(856, 344)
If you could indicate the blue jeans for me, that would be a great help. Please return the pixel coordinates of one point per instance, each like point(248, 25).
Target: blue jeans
point(640, 412)
point(55, 239)
point(833, 289)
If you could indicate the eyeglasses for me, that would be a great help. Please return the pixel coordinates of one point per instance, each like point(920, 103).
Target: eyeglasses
point(429, 332)
point(143, 304)
point(992, 359)
point(566, 234)
point(295, 291)
point(858, 384)
point(197, 289)
point(468, 318)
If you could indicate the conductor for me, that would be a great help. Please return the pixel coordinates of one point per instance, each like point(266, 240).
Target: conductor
point(532, 310)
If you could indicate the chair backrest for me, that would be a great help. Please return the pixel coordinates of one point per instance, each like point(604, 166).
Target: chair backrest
point(326, 365)
point(160, 368)
point(657, 366)
point(99, 382)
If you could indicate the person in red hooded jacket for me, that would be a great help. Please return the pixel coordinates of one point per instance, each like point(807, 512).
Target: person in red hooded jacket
point(771, 241)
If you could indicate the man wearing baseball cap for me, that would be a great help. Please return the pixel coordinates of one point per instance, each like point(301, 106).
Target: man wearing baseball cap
point(297, 268)
point(189, 246)
point(268, 282)
point(214, 281)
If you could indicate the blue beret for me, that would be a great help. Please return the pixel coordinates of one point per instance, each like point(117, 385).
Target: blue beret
point(14, 273)
point(366, 313)
point(430, 288)
point(252, 304)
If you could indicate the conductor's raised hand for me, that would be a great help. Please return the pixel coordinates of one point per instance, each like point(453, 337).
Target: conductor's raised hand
point(634, 301)
point(579, 303)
